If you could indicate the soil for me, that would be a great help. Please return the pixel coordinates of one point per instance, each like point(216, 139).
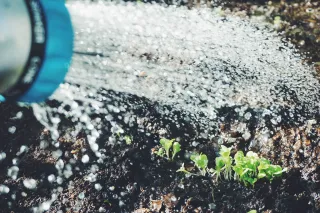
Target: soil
point(133, 178)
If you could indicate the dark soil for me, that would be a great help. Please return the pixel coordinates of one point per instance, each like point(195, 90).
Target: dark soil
point(140, 177)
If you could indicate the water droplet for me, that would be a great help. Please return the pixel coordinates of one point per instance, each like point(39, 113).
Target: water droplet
point(3, 156)
point(19, 115)
point(51, 178)
point(97, 186)
point(23, 149)
point(30, 183)
point(101, 209)
point(247, 116)
point(60, 164)
point(85, 159)
point(4, 189)
point(81, 196)
point(13, 172)
point(12, 129)
point(45, 206)
point(57, 154)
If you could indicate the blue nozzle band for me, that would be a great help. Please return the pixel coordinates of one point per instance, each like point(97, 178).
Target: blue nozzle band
point(58, 52)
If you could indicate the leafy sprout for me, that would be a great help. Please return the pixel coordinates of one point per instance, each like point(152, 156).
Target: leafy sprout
point(176, 148)
point(161, 152)
point(128, 139)
point(250, 168)
point(201, 162)
point(269, 171)
point(167, 146)
point(247, 168)
point(223, 164)
point(183, 169)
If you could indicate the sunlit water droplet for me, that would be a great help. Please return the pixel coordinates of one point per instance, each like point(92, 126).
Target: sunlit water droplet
point(4, 189)
point(81, 195)
point(30, 183)
point(3, 156)
point(12, 129)
point(51, 178)
point(85, 159)
point(13, 172)
point(97, 186)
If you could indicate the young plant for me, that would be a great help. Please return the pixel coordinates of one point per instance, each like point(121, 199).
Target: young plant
point(161, 152)
point(176, 148)
point(227, 161)
point(269, 171)
point(183, 169)
point(250, 168)
point(128, 139)
point(201, 162)
point(223, 164)
point(246, 167)
point(167, 146)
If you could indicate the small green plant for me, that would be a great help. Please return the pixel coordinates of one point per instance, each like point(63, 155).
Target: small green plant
point(183, 169)
point(166, 148)
point(176, 148)
point(250, 168)
point(269, 171)
point(201, 162)
point(128, 139)
point(107, 202)
point(246, 167)
point(223, 164)
point(252, 211)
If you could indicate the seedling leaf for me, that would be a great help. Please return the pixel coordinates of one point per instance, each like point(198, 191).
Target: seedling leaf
point(166, 144)
point(183, 169)
point(160, 152)
point(176, 148)
point(128, 139)
point(201, 161)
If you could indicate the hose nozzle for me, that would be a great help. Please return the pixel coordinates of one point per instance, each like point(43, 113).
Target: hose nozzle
point(35, 50)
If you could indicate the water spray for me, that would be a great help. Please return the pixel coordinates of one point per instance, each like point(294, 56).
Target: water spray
point(35, 47)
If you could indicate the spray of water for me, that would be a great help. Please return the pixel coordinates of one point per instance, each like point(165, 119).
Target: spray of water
point(194, 61)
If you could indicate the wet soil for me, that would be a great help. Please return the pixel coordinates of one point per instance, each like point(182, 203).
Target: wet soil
point(134, 179)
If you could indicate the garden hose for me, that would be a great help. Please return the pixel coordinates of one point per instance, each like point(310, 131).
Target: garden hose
point(36, 46)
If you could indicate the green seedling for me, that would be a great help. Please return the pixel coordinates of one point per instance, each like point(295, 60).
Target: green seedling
point(107, 202)
point(269, 171)
point(227, 161)
point(218, 170)
point(201, 162)
point(161, 152)
point(250, 168)
point(246, 167)
point(223, 164)
point(167, 146)
point(252, 211)
point(176, 148)
point(183, 169)
point(128, 139)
